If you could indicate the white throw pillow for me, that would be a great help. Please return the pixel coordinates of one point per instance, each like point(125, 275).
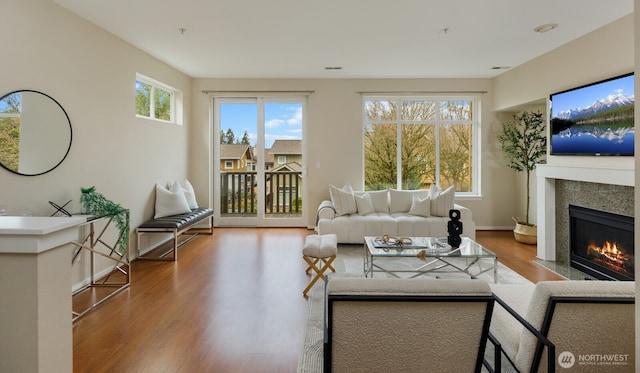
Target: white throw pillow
point(442, 200)
point(170, 202)
point(343, 200)
point(380, 199)
point(190, 195)
point(364, 203)
point(400, 200)
point(420, 206)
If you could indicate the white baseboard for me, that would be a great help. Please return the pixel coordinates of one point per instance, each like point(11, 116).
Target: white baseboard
point(87, 281)
point(494, 228)
point(154, 246)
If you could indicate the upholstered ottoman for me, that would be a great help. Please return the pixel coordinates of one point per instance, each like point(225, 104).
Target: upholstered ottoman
point(319, 252)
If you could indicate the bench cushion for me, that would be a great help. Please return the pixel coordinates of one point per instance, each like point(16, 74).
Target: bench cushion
point(177, 221)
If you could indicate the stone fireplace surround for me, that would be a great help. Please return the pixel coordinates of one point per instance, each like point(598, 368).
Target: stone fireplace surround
point(558, 186)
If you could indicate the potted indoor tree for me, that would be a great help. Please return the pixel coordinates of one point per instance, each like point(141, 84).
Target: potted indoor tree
point(524, 143)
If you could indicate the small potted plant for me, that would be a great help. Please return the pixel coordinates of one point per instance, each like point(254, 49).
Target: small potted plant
point(95, 203)
point(524, 143)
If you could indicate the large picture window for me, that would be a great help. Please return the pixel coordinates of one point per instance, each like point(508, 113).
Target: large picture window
point(413, 142)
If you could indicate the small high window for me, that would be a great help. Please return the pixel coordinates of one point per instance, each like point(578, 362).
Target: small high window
point(155, 100)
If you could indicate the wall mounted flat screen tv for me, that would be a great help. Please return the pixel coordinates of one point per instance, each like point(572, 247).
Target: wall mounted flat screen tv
point(595, 119)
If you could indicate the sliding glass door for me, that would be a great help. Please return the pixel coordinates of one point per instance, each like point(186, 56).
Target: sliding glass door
point(258, 161)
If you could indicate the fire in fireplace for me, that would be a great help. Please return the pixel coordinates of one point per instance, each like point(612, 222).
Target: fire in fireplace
point(601, 243)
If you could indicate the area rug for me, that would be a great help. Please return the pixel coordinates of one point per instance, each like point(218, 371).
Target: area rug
point(349, 263)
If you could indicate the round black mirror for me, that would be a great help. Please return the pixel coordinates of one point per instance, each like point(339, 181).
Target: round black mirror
point(35, 133)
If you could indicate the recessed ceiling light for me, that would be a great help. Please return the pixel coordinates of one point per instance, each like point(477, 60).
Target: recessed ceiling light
point(544, 28)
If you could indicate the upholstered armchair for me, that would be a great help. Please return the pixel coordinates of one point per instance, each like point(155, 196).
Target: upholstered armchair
point(585, 325)
point(406, 325)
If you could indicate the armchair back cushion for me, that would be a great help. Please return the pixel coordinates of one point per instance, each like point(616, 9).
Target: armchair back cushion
point(406, 325)
point(585, 318)
point(585, 326)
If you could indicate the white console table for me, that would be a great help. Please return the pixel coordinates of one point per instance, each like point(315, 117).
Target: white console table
point(35, 313)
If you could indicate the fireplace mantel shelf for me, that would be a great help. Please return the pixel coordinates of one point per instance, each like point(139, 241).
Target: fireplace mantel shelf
point(587, 174)
point(546, 175)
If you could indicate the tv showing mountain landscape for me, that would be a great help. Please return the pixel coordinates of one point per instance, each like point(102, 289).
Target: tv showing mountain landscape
point(595, 119)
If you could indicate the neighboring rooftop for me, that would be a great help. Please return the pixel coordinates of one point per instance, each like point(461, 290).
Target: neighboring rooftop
point(286, 147)
point(235, 151)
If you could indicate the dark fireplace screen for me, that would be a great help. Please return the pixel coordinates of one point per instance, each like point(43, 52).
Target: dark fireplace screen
point(601, 243)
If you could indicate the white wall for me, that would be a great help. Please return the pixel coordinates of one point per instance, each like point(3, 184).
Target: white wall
point(334, 130)
point(92, 75)
point(519, 186)
point(334, 136)
point(604, 53)
point(610, 51)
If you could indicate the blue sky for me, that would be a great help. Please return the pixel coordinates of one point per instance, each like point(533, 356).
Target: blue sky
point(583, 97)
point(3, 103)
point(282, 121)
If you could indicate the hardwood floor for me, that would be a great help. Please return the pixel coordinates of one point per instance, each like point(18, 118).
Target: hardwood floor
point(231, 303)
point(517, 256)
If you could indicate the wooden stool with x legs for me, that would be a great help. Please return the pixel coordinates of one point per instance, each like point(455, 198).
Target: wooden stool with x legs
point(319, 252)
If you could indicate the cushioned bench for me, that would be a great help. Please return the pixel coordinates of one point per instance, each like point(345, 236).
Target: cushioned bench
point(177, 225)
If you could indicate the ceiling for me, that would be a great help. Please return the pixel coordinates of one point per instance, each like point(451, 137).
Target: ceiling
point(365, 38)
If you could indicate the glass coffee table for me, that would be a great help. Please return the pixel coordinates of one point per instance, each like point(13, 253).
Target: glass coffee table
point(437, 254)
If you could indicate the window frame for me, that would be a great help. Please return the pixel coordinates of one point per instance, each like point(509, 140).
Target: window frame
point(174, 98)
point(475, 123)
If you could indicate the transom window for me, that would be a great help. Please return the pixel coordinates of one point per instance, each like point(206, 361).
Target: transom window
point(155, 100)
point(413, 142)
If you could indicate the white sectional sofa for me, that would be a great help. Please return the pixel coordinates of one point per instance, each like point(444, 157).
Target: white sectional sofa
point(405, 213)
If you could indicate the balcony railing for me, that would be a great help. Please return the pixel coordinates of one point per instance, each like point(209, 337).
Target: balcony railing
point(283, 193)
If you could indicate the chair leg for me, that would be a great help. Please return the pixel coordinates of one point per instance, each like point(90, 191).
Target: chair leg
point(316, 260)
point(319, 270)
point(327, 263)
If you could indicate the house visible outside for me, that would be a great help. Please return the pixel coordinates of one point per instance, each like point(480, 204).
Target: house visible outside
point(286, 176)
point(286, 151)
point(237, 178)
point(236, 158)
point(283, 173)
